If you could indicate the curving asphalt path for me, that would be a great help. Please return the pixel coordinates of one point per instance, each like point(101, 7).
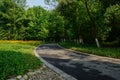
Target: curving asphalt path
point(74, 65)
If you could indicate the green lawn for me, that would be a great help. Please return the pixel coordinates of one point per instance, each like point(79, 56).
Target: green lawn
point(17, 57)
point(108, 52)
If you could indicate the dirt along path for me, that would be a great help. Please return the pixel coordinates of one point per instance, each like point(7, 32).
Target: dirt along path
point(81, 66)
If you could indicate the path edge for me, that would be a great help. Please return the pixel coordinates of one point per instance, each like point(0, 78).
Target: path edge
point(108, 58)
point(60, 72)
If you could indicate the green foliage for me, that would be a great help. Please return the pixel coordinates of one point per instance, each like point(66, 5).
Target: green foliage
point(91, 49)
point(71, 20)
point(111, 44)
point(86, 19)
point(55, 26)
point(112, 19)
point(106, 3)
point(16, 58)
point(82, 21)
point(11, 18)
point(113, 12)
point(37, 27)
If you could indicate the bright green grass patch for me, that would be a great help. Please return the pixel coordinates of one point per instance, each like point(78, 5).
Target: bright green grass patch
point(108, 52)
point(17, 57)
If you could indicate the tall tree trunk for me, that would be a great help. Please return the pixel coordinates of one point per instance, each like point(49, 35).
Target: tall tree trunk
point(97, 42)
point(79, 36)
point(93, 24)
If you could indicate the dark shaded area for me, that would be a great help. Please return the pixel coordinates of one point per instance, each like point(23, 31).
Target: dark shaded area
point(78, 72)
point(106, 63)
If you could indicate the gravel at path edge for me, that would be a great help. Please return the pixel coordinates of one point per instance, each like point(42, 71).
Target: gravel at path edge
point(44, 73)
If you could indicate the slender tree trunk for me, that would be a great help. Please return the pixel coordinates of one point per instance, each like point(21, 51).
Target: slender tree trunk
point(81, 41)
point(79, 36)
point(93, 24)
point(97, 42)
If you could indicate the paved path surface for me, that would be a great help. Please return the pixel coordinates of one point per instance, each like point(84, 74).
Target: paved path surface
point(80, 65)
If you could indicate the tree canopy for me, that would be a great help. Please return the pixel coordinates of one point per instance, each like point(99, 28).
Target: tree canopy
point(80, 21)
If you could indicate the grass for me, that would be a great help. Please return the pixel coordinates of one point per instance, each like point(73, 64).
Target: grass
point(107, 52)
point(17, 57)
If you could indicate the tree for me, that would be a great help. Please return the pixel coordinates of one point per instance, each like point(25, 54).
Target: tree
point(37, 28)
point(107, 3)
point(11, 18)
point(55, 27)
point(112, 19)
point(82, 16)
point(69, 9)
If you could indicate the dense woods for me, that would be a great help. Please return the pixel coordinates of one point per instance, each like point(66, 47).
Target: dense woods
point(79, 21)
